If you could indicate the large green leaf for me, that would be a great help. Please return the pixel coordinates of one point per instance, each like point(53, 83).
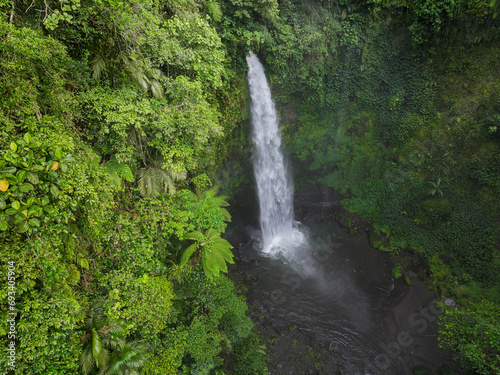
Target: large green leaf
point(16, 205)
point(222, 247)
point(26, 187)
point(188, 252)
point(54, 190)
point(21, 175)
point(212, 234)
point(198, 236)
point(23, 227)
point(33, 178)
point(208, 266)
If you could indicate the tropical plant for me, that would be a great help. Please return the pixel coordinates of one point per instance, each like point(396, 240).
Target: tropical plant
point(127, 360)
point(436, 188)
point(214, 10)
point(105, 347)
point(153, 181)
point(100, 339)
point(215, 251)
point(209, 208)
point(473, 332)
point(118, 171)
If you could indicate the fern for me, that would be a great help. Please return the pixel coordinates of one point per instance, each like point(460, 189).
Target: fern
point(156, 89)
point(154, 181)
point(215, 251)
point(118, 171)
point(98, 66)
point(149, 80)
point(214, 10)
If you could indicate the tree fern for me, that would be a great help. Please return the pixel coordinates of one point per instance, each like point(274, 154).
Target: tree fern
point(118, 171)
point(215, 251)
point(154, 181)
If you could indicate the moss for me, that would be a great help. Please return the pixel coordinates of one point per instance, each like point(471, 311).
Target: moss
point(397, 272)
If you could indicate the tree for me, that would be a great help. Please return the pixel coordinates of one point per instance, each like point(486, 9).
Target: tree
point(153, 180)
point(105, 347)
point(473, 332)
point(127, 360)
point(215, 251)
point(100, 339)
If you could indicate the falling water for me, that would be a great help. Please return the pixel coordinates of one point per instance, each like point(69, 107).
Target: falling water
point(274, 187)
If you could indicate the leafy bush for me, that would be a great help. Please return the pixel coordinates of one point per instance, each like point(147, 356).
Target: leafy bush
point(473, 331)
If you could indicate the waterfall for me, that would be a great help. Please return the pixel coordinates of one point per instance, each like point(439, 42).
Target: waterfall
point(274, 187)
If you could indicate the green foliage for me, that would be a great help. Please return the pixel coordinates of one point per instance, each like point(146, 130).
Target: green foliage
point(105, 347)
point(473, 332)
point(207, 208)
point(436, 188)
point(249, 356)
point(434, 211)
point(128, 123)
point(212, 306)
point(168, 359)
point(153, 181)
point(127, 359)
point(214, 9)
point(101, 337)
point(215, 251)
point(32, 78)
point(136, 301)
point(203, 340)
point(30, 170)
point(119, 171)
point(396, 272)
point(97, 96)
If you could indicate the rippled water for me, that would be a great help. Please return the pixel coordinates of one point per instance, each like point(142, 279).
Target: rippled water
point(334, 288)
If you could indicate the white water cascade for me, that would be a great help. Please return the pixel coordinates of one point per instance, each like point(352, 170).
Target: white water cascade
point(274, 187)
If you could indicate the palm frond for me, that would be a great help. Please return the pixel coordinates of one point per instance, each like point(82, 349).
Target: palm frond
point(98, 66)
point(156, 89)
point(148, 183)
point(128, 359)
point(87, 362)
point(188, 252)
point(214, 10)
point(154, 181)
point(119, 171)
point(138, 74)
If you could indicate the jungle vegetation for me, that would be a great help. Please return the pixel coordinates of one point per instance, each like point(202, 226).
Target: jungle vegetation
point(118, 120)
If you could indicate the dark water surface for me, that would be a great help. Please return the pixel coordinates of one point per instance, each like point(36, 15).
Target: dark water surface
point(335, 290)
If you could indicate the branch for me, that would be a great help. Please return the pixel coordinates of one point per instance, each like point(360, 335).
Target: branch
point(11, 18)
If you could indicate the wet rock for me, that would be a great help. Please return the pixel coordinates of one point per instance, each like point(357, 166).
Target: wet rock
point(254, 262)
point(411, 275)
point(233, 267)
point(450, 302)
